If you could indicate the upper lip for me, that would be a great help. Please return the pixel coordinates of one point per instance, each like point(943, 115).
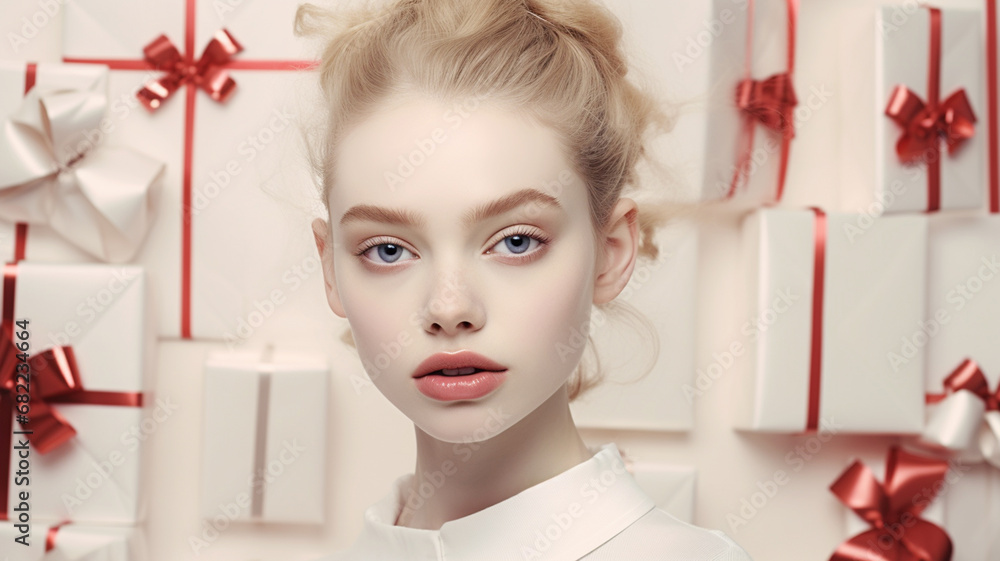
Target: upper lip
point(458, 359)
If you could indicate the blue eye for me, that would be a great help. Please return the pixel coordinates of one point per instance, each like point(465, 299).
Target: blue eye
point(518, 243)
point(387, 252)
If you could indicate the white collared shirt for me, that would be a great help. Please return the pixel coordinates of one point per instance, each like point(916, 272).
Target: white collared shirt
point(595, 511)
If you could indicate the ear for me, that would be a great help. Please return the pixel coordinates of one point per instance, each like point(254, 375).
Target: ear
point(324, 244)
point(620, 246)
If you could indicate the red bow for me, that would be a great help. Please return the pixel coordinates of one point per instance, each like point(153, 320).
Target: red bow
point(969, 377)
point(54, 378)
point(924, 125)
point(207, 72)
point(770, 101)
point(893, 510)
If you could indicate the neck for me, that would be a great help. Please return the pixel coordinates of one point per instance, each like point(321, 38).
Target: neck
point(468, 477)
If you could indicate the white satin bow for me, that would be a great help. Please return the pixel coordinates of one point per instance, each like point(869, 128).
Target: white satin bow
point(54, 170)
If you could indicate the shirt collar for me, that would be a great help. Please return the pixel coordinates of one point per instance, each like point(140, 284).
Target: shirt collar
point(565, 517)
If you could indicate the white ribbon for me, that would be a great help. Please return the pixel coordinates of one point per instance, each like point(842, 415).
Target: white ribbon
point(961, 423)
point(51, 172)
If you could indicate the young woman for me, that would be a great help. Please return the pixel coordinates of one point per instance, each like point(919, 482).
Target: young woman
point(472, 166)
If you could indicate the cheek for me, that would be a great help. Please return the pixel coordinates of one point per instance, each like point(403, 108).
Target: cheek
point(548, 318)
point(378, 315)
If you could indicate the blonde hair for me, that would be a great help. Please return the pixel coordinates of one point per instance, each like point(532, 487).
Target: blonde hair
point(560, 61)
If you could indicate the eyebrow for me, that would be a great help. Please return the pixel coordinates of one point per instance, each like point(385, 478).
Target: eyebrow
point(482, 212)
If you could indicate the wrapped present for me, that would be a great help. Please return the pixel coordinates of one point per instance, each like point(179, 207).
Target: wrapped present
point(963, 301)
point(925, 147)
point(730, 62)
point(264, 445)
point(56, 171)
point(74, 542)
point(671, 486)
point(751, 124)
point(832, 307)
point(223, 112)
point(632, 396)
point(963, 500)
point(82, 331)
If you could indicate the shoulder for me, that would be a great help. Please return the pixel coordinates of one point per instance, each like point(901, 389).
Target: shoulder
point(658, 536)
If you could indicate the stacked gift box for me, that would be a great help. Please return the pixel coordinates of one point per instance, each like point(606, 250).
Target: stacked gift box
point(116, 231)
point(891, 325)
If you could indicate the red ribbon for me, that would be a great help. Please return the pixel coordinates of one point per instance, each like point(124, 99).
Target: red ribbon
point(50, 536)
point(209, 73)
point(893, 510)
point(925, 125)
point(54, 378)
point(816, 342)
point(769, 102)
point(967, 376)
point(991, 103)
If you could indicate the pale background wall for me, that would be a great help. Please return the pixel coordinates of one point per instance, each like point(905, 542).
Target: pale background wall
point(371, 443)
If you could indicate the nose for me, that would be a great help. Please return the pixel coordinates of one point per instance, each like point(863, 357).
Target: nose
point(452, 308)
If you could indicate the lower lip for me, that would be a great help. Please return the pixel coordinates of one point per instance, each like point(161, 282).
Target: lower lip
point(455, 388)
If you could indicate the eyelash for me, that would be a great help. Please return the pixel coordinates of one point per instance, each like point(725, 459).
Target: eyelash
point(530, 232)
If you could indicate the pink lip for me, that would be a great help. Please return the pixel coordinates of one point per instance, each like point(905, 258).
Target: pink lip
point(458, 359)
point(456, 388)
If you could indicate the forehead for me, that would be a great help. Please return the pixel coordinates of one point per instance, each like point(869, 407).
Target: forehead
point(416, 149)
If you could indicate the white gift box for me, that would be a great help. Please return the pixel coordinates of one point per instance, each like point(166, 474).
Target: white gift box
point(967, 507)
point(264, 446)
point(963, 302)
point(873, 300)
point(670, 486)
point(250, 235)
point(99, 204)
point(893, 49)
point(32, 30)
point(963, 295)
point(769, 44)
point(75, 542)
point(695, 52)
point(664, 292)
point(100, 311)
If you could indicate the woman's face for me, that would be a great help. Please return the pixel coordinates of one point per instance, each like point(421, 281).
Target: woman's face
point(460, 227)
